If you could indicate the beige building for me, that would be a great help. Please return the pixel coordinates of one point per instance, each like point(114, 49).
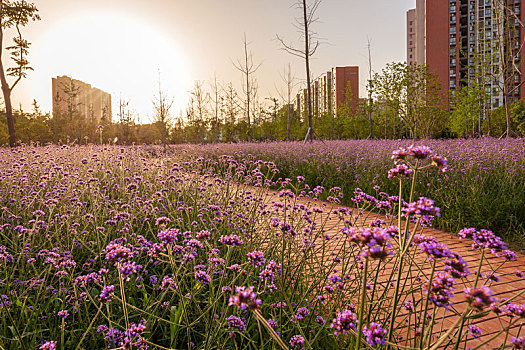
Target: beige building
point(74, 96)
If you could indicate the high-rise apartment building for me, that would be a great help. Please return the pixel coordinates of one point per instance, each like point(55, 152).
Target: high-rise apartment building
point(345, 88)
point(74, 96)
point(332, 90)
point(471, 41)
point(411, 36)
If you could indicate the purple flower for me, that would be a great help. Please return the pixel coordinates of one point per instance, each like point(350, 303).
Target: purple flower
point(202, 277)
point(374, 241)
point(435, 250)
point(245, 298)
point(441, 289)
point(107, 293)
point(232, 240)
point(63, 313)
point(420, 152)
point(256, 257)
point(4, 255)
point(297, 341)
point(479, 298)
point(204, 234)
point(474, 331)
point(399, 154)
point(48, 345)
point(169, 236)
point(519, 343)
point(236, 323)
point(400, 170)
point(302, 313)
point(488, 240)
point(456, 266)
point(129, 268)
point(424, 207)
point(162, 221)
point(374, 334)
point(168, 282)
point(345, 321)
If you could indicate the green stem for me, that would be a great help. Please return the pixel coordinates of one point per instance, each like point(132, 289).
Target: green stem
point(362, 306)
point(424, 316)
point(461, 326)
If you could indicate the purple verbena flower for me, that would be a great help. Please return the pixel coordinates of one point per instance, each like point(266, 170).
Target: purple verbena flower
point(345, 321)
point(374, 334)
point(256, 257)
point(297, 341)
point(245, 298)
point(479, 298)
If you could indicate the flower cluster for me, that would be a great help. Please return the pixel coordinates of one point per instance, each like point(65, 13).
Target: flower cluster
point(441, 289)
point(479, 298)
point(344, 322)
point(374, 241)
point(245, 298)
point(375, 334)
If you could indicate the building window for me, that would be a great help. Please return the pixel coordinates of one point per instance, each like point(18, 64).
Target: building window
point(453, 41)
point(452, 30)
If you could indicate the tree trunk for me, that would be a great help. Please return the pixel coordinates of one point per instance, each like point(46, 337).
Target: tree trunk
point(8, 110)
point(7, 94)
point(307, 59)
point(288, 123)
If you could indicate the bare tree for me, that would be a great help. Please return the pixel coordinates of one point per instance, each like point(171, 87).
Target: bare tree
point(230, 108)
point(162, 104)
point(247, 68)
point(508, 24)
point(215, 101)
point(15, 14)
point(370, 91)
point(200, 101)
point(311, 43)
point(289, 80)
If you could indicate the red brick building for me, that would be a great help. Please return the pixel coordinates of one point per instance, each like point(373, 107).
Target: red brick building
point(345, 80)
point(329, 92)
point(457, 40)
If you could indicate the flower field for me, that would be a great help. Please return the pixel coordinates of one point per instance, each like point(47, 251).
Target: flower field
point(134, 248)
point(483, 187)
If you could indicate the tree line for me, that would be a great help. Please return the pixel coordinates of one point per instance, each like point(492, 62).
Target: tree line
point(406, 101)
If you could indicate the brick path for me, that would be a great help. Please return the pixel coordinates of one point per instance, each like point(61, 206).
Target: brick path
point(507, 286)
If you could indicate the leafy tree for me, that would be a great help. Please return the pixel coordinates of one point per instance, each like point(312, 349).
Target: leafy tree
point(14, 14)
point(518, 115)
point(467, 107)
point(413, 93)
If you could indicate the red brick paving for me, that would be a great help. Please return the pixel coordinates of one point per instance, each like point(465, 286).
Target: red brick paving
point(508, 285)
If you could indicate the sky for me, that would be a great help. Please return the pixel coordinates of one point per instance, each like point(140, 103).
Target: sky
point(125, 47)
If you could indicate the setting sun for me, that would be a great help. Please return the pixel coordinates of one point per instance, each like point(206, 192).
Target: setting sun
point(120, 54)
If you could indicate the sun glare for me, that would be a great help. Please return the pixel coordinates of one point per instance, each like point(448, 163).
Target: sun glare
point(119, 54)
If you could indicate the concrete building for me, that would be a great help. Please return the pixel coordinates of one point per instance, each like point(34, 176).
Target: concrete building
point(459, 41)
point(411, 36)
point(325, 92)
point(331, 91)
point(74, 96)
